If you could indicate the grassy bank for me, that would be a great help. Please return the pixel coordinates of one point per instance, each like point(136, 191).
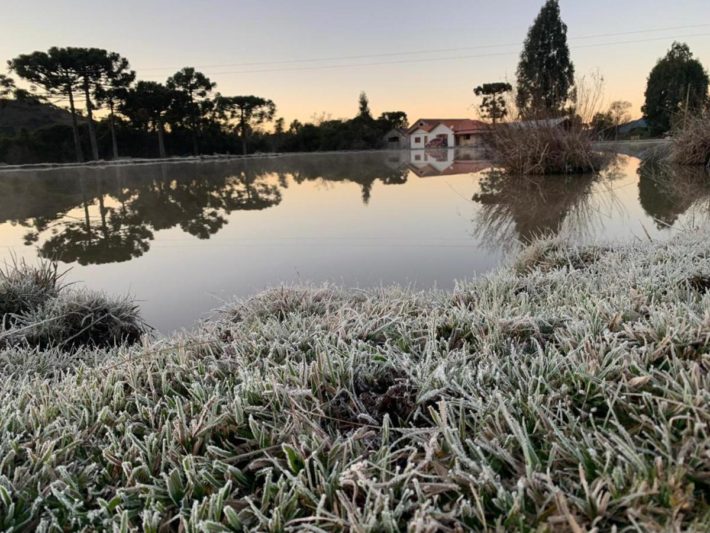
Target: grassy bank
point(567, 392)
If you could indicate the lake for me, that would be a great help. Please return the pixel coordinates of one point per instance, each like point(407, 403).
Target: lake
point(185, 237)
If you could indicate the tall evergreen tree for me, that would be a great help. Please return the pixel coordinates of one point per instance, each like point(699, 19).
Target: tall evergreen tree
point(113, 89)
point(677, 83)
point(146, 104)
point(248, 111)
point(545, 72)
point(363, 106)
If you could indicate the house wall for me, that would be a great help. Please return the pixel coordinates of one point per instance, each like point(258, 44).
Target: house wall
point(419, 138)
point(416, 139)
point(474, 139)
point(443, 130)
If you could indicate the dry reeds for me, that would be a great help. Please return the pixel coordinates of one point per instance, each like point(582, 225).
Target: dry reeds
point(541, 147)
point(690, 144)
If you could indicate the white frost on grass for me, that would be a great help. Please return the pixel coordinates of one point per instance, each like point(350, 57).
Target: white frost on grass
point(569, 392)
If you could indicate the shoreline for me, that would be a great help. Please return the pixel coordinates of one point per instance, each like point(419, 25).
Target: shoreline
point(569, 389)
point(639, 148)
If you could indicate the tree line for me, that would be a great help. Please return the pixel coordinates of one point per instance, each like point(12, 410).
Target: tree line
point(186, 109)
point(545, 88)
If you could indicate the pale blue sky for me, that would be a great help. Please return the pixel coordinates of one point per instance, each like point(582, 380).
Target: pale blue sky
point(160, 36)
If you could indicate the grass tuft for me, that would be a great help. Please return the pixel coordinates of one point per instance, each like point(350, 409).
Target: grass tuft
point(38, 312)
point(24, 287)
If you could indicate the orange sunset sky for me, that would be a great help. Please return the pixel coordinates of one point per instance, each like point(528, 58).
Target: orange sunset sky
point(315, 56)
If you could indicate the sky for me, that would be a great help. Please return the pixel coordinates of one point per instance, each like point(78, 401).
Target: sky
point(314, 57)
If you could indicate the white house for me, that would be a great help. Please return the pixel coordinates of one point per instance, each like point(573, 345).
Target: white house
point(445, 133)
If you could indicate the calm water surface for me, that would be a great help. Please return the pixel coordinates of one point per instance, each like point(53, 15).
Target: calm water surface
point(184, 237)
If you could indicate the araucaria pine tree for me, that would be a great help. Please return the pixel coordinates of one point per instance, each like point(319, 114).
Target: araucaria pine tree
point(545, 72)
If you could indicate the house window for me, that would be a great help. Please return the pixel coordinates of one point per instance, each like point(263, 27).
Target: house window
point(393, 140)
point(417, 140)
point(467, 137)
point(417, 157)
point(426, 138)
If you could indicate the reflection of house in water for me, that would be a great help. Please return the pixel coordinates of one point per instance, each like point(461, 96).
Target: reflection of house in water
point(442, 162)
point(446, 133)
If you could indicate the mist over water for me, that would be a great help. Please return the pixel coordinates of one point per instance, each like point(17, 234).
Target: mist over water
point(184, 237)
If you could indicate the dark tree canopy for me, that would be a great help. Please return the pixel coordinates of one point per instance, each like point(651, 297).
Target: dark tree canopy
point(184, 114)
point(146, 105)
point(676, 82)
point(194, 87)
point(545, 72)
point(493, 105)
point(248, 111)
point(92, 66)
point(56, 72)
point(392, 120)
point(7, 86)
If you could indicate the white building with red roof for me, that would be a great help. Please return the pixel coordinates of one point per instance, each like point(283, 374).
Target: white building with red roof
point(445, 132)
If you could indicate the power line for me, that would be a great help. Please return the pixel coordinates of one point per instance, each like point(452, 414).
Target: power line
point(428, 51)
point(430, 60)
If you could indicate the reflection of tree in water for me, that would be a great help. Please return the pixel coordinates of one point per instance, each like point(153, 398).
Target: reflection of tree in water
point(118, 236)
point(363, 169)
point(667, 191)
point(520, 209)
point(197, 203)
point(117, 239)
point(121, 207)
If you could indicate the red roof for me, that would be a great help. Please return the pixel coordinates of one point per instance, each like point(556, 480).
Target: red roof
point(457, 125)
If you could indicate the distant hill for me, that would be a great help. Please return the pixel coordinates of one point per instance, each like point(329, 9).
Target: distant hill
point(16, 115)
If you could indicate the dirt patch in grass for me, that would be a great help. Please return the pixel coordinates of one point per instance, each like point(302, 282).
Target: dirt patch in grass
point(699, 282)
point(389, 393)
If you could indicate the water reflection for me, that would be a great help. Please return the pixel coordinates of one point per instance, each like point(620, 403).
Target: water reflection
point(521, 209)
point(95, 216)
point(667, 192)
point(515, 209)
point(443, 162)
